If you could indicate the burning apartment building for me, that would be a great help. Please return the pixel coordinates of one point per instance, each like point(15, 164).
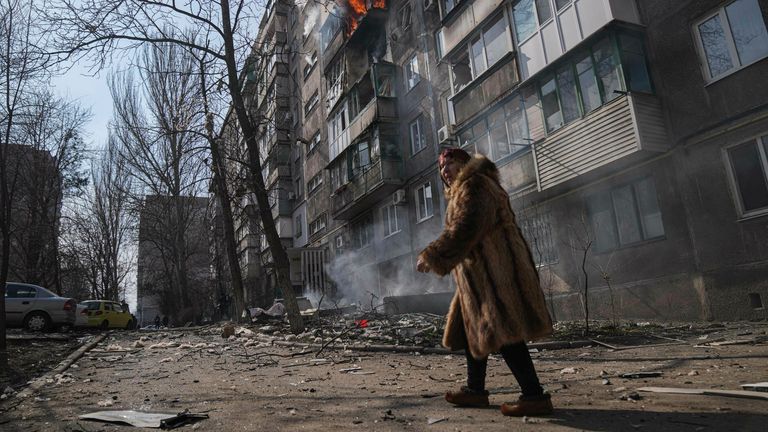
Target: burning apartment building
point(632, 147)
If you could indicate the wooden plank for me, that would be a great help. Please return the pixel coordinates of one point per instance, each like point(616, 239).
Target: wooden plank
point(744, 394)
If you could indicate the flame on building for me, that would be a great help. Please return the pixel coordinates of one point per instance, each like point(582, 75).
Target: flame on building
point(356, 10)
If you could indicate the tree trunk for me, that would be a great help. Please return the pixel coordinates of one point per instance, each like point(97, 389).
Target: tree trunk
point(279, 254)
point(229, 229)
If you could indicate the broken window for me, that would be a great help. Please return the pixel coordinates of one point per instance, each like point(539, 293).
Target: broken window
point(733, 37)
point(625, 215)
point(361, 158)
point(483, 51)
point(412, 76)
point(311, 103)
point(404, 16)
point(749, 168)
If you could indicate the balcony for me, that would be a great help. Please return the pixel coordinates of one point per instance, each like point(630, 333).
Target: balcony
point(466, 20)
point(382, 178)
point(370, 101)
point(624, 131)
point(488, 87)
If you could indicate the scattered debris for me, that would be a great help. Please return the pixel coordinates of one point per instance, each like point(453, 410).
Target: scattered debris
point(105, 403)
point(606, 382)
point(568, 370)
point(146, 420)
point(708, 392)
point(632, 375)
point(433, 420)
point(631, 396)
point(760, 387)
point(227, 331)
point(693, 373)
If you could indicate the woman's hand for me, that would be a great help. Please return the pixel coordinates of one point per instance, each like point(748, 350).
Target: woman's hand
point(421, 265)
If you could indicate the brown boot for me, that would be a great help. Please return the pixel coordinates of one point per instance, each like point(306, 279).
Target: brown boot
point(529, 406)
point(467, 397)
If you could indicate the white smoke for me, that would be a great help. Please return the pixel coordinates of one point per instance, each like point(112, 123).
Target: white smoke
point(310, 18)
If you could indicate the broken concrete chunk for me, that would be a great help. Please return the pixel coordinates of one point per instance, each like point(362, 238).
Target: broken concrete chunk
point(568, 370)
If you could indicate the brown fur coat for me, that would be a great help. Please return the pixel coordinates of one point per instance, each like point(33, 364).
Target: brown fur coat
point(498, 299)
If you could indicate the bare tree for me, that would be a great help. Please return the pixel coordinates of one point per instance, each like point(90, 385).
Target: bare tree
point(99, 229)
point(50, 130)
point(582, 240)
point(98, 28)
point(21, 64)
point(158, 127)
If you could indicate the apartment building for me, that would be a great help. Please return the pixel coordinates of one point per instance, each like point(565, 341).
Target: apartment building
point(632, 146)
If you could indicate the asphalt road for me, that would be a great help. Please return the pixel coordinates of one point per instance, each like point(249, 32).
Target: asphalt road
point(244, 385)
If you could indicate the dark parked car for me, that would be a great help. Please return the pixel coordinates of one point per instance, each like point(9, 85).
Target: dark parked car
point(36, 308)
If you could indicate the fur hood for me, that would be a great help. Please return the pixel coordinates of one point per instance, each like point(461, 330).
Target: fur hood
point(479, 164)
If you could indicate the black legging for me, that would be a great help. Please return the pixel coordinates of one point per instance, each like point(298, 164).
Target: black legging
point(519, 361)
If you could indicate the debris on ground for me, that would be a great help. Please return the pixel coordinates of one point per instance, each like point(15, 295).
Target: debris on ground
point(144, 419)
point(707, 392)
point(761, 387)
point(633, 375)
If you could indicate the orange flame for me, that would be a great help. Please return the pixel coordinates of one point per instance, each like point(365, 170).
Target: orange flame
point(358, 9)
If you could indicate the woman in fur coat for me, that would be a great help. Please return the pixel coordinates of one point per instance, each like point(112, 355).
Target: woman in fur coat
point(498, 303)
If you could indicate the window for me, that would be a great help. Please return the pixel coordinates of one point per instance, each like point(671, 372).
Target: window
point(313, 142)
point(594, 78)
point(732, 38)
point(504, 132)
point(20, 291)
point(424, 209)
point(391, 217)
point(311, 62)
point(297, 223)
point(361, 159)
point(625, 215)
point(412, 76)
point(749, 170)
point(448, 6)
point(339, 175)
point(483, 51)
point(525, 19)
point(418, 140)
point(362, 232)
point(562, 4)
point(537, 230)
point(315, 183)
point(543, 10)
point(317, 225)
point(311, 103)
point(298, 188)
point(404, 16)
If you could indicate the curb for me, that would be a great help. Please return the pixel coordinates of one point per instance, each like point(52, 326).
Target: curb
point(553, 345)
point(38, 383)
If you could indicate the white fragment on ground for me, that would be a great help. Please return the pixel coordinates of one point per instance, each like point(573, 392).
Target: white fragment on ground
point(115, 347)
point(166, 360)
point(568, 370)
point(162, 345)
point(243, 332)
point(186, 346)
point(433, 420)
point(138, 344)
point(693, 373)
point(105, 403)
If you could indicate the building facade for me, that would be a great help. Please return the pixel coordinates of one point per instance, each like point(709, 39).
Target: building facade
point(633, 147)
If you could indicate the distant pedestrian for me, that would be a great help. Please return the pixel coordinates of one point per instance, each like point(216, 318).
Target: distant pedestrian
point(165, 320)
point(157, 321)
point(498, 303)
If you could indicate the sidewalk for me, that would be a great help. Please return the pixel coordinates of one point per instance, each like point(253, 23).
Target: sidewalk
point(247, 385)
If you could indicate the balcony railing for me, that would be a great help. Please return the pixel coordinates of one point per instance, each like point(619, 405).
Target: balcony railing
point(484, 90)
point(381, 178)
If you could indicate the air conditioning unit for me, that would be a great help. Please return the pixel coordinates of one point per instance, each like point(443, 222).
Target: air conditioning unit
point(430, 4)
point(398, 197)
point(443, 135)
point(291, 195)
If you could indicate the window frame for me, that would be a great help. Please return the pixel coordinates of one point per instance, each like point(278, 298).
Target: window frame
point(615, 220)
point(733, 183)
point(313, 142)
point(422, 138)
point(412, 75)
point(426, 186)
point(314, 184)
point(387, 220)
point(732, 49)
point(311, 103)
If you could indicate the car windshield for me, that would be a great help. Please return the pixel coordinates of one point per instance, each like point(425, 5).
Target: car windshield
point(92, 305)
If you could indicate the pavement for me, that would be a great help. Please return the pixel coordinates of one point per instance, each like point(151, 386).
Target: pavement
point(248, 383)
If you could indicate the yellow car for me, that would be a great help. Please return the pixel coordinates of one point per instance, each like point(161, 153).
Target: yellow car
point(107, 314)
